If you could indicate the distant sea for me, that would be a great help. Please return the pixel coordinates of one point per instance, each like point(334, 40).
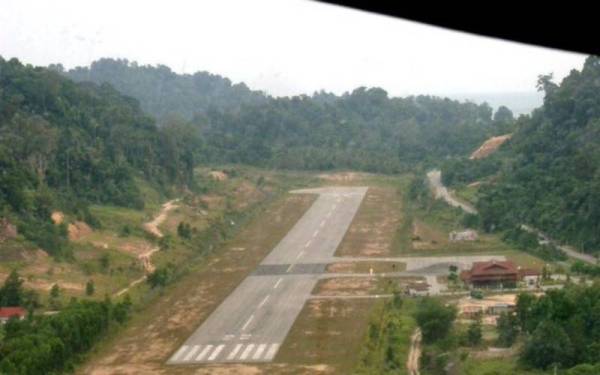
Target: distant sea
point(518, 102)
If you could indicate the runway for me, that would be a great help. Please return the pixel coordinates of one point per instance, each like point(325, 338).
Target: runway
point(252, 322)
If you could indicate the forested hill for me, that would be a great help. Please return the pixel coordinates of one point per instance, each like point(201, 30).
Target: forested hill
point(363, 130)
point(163, 92)
point(64, 145)
point(548, 175)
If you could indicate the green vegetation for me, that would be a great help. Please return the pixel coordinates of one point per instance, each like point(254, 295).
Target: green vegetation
point(550, 174)
point(53, 344)
point(66, 145)
point(388, 338)
point(164, 93)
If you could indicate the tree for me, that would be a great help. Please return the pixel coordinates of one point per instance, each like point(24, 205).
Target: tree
point(434, 319)
point(474, 334)
point(11, 293)
point(90, 288)
point(548, 345)
point(54, 299)
point(507, 327)
point(503, 114)
point(104, 261)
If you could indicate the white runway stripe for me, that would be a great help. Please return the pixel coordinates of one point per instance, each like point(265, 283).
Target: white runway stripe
point(271, 352)
point(322, 223)
point(307, 244)
point(191, 352)
point(248, 322)
point(259, 351)
point(277, 283)
point(247, 351)
point(264, 301)
point(179, 352)
point(234, 352)
point(216, 352)
point(203, 353)
point(316, 232)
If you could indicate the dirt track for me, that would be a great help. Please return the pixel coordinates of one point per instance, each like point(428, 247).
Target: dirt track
point(145, 258)
point(412, 364)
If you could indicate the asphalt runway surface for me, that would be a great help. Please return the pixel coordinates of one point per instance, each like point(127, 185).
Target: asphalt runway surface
point(252, 322)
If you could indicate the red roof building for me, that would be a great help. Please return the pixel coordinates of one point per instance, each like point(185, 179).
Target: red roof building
point(8, 312)
point(492, 273)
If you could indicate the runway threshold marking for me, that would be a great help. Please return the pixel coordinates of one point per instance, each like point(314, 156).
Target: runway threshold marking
point(264, 301)
point(234, 352)
point(248, 322)
point(277, 283)
point(204, 352)
point(259, 351)
point(191, 352)
point(247, 351)
point(216, 352)
point(271, 352)
point(182, 350)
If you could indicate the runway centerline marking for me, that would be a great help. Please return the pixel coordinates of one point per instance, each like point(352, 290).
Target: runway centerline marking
point(264, 301)
point(316, 232)
point(300, 254)
point(290, 267)
point(277, 283)
point(322, 223)
point(308, 243)
point(247, 322)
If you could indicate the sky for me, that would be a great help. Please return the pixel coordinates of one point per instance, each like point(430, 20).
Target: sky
point(282, 47)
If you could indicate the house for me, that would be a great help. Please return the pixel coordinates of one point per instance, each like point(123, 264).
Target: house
point(465, 235)
point(418, 289)
point(530, 276)
point(8, 312)
point(491, 274)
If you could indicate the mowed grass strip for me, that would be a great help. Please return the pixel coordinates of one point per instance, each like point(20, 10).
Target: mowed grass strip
point(329, 333)
point(156, 332)
point(375, 224)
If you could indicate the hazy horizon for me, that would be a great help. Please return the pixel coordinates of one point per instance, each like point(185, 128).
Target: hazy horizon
point(284, 48)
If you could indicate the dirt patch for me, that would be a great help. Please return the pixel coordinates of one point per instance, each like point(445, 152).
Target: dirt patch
point(490, 146)
point(366, 267)
point(7, 230)
point(342, 176)
point(212, 201)
point(346, 286)
point(78, 230)
point(57, 217)
point(375, 224)
point(246, 194)
point(218, 175)
point(152, 226)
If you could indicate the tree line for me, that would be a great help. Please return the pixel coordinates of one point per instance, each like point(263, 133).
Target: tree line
point(548, 174)
point(66, 145)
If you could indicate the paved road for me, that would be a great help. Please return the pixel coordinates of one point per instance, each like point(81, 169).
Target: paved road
point(252, 322)
point(440, 191)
